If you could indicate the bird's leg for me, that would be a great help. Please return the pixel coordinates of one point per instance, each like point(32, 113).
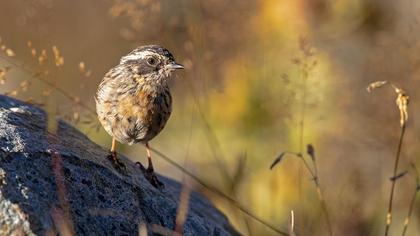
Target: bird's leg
point(149, 172)
point(113, 145)
point(114, 158)
point(149, 159)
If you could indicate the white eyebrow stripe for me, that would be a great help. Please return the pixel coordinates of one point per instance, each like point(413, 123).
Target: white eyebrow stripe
point(136, 56)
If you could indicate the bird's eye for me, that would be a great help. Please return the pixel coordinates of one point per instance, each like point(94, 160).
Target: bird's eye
point(152, 61)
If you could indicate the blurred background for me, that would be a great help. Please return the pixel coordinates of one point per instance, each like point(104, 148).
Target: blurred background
point(262, 77)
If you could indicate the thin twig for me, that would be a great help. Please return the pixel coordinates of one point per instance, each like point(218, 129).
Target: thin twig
point(306, 65)
point(412, 202)
point(315, 177)
point(410, 211)
point(303, 109)
point(218, 192)
point(184, 197)
point(401, 101)
point(314, 174)
point(311, 172)
point(292, 224)
point(301, 138)
point(182, 211)
point(391, 197)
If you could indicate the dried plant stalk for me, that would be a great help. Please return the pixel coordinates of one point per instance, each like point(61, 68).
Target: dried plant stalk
point(310, 150)
point(402, 105)
point(412, 202)
point(182, 212)
point(376, 85)
point(292, 224)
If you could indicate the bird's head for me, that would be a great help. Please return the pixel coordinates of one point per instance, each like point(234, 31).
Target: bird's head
point(151, 62)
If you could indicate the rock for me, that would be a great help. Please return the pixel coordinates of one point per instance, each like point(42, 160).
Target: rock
point(64, 183)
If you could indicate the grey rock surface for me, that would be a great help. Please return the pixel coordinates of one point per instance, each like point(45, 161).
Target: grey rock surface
point(53, 183)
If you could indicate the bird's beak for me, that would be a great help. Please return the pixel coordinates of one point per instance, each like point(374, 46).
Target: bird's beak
point(174, 66)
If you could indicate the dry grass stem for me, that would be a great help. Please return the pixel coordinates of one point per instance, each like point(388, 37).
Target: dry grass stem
point(310, 151)
point(292, 224)
point(182, 212)
point(402, 105)
point(413, 200)
point(216, 191)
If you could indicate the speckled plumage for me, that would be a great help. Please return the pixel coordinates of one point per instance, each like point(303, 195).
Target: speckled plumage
point(133, 100)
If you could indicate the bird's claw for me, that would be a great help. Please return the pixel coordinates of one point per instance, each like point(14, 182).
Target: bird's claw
point(117, 163)
point(149, 174)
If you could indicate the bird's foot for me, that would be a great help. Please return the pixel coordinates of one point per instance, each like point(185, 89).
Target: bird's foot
point(116, 162)
point(149, 174)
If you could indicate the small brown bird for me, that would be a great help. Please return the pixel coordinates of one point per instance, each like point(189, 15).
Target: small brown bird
point(133, 100)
